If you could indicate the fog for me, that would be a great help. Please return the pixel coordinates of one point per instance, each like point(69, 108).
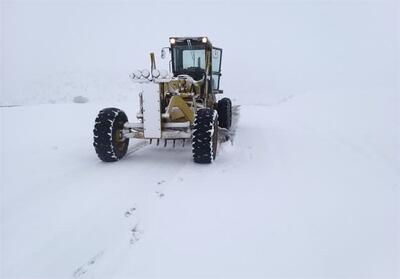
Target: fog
point(52, 51)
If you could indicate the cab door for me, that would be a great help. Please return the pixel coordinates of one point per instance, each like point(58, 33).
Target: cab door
point(216, 68)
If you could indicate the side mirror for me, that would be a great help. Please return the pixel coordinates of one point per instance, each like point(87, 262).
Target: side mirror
point(163, 52)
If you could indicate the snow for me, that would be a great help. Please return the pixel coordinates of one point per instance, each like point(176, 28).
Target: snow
point(292, 195)
point(307, 186)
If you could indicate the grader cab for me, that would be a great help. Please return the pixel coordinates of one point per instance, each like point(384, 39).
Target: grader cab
point(175, 105)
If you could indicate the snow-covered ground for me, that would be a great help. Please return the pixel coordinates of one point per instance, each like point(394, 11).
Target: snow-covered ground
point(305, 188)
point(308, 186)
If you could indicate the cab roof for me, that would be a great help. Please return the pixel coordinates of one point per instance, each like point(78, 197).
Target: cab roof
point(195, 40)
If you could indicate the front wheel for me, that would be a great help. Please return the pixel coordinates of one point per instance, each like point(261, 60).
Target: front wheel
point(108, 142)
point(205, 136)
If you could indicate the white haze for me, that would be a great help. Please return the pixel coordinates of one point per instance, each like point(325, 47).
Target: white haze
point(52, 50)
point(306, 187)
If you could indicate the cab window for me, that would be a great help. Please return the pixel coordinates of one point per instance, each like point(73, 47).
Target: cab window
point(216, 67)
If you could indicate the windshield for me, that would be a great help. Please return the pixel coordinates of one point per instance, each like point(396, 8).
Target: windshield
point(189, 58)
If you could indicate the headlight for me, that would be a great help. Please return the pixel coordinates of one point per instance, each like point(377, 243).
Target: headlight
point(137, 74)
point(172, 40)
point(145, 73)
point(155, 73)
point(204, 40)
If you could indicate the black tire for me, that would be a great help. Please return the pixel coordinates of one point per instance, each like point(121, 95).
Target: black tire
point(205, 136)
point(225, 113)
point(109, 145)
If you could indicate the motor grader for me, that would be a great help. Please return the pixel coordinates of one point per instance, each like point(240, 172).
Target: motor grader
point(175, 105)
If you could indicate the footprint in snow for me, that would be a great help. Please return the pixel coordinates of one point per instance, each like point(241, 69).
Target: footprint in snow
point(129, 212)
point(135, 234)
point(85, 268)
point(160, 194)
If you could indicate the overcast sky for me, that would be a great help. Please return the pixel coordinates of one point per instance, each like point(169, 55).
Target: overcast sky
point(270, 47)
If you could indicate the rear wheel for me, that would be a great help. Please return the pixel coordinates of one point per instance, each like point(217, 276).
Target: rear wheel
point(225, 113)
point(108, 142)
point(205, 136)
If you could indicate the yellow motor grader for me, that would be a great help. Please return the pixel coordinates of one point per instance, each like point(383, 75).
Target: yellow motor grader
point(175, 105)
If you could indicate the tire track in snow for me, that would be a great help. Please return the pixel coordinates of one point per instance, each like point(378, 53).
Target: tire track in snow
point(137, 146)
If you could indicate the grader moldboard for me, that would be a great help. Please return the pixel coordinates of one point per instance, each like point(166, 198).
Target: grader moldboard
point(175, 106)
